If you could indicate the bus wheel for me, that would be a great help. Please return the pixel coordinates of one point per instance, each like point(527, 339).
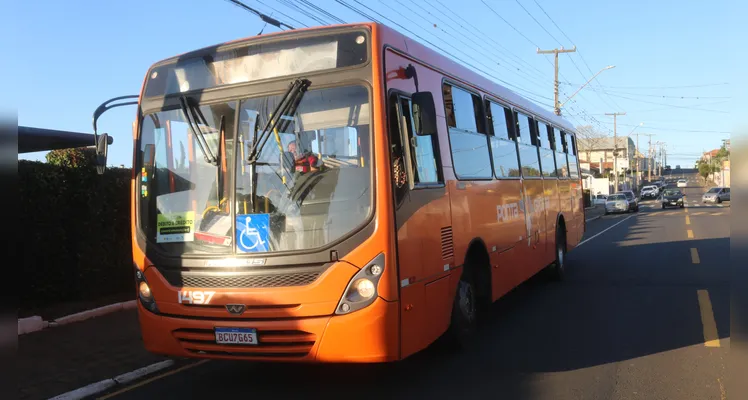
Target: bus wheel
point(558, 268)
point(464, 312)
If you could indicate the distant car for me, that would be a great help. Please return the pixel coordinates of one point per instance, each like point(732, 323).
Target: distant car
point(632, 199)
point(682, 183)
point(649, 192)
point(672, 198)
point(677, 167)
point(716, 195)
point(600, 199)
point(617, 203)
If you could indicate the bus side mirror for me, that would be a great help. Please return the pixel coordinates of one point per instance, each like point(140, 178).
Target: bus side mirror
point(101, 152)
point(424, 113)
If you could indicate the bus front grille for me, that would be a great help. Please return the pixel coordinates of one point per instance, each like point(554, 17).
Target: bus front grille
point(272, 343)
point(238, 280)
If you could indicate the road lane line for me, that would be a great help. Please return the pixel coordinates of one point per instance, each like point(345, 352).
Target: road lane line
point(695, 256)
point(155, 378)
point(688, 220)
point(711, 337)
point(690, 234)
point(605, 230)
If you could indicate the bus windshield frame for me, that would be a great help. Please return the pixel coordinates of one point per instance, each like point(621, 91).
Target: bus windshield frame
point(298, 191)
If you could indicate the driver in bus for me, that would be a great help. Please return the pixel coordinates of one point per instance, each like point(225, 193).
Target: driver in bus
point(303, 162)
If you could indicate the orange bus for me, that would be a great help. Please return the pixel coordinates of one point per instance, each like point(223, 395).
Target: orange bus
point(338, 194)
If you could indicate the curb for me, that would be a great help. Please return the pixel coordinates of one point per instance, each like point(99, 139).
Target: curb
point(31, 324)
point(107, 384)
point(35, 323)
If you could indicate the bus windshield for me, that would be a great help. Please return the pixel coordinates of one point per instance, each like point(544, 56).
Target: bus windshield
point(309, 185)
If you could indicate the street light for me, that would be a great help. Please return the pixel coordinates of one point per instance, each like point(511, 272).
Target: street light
point(585, 84)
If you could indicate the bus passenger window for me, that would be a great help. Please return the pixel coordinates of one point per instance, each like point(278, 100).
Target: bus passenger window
point(468, 142)
point(547, 158)
point(503, 148)
point(528, 152)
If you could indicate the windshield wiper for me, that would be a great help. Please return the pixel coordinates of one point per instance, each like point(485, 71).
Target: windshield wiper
point(287, 106)
point(188, 109)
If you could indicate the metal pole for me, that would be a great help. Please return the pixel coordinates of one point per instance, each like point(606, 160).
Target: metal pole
point(615, 145)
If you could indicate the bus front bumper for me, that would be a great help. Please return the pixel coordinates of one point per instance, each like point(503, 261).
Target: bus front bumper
point(365, 336)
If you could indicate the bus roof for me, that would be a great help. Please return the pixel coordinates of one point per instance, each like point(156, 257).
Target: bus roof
point(432, 58)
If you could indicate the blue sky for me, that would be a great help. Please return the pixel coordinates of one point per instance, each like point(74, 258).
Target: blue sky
point(76, 54)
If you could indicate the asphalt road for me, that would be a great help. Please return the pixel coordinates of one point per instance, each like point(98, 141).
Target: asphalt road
point(644, 314)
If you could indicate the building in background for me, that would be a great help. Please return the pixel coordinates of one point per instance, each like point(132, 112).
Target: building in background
point(598, 154)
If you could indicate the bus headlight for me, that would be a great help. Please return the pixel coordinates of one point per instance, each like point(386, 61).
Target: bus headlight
point(362, 289)
point(144, 292)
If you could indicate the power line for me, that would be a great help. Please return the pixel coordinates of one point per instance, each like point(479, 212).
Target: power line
point(302, 11)
point(671, 105)
point(283, 14)
point(322, 11)
point(265, 18)
point(528, 77)
point(571, 58)
point(480, 33)
point(427, 41)
point(665, 96)
point(657, 87)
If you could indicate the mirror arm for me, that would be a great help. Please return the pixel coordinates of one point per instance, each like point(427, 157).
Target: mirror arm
point(410, 72)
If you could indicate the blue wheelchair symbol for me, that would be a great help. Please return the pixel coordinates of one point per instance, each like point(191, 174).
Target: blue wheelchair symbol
point(252, 232)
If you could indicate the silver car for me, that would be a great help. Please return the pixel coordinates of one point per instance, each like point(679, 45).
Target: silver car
point(617, 203)
point(716, 195)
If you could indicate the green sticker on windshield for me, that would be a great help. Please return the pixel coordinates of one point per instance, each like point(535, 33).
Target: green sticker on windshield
point(176, 227)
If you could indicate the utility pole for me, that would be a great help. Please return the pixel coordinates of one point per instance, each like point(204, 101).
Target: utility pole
point(650, 158)
point(555, 52)
point(615, 145)
point(648, 152)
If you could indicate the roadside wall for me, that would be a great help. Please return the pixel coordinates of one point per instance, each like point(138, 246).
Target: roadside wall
point(74, 232)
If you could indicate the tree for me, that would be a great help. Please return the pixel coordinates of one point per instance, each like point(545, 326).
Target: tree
point(81, 157)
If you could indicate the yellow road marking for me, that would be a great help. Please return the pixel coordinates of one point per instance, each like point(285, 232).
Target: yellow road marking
point(686, 209)
point(695, 256)
point(722, 394)
point(711, 338)
point(688, 220)
point(690, 234)
point(155, 378)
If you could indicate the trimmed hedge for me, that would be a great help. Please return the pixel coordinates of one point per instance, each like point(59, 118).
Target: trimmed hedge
point(75, 233)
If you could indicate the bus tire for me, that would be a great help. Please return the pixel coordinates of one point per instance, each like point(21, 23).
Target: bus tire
point(558, 268)
point(464, 320)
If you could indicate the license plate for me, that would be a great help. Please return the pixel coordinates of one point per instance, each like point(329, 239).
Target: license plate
point(243, 336)
point(673, 203)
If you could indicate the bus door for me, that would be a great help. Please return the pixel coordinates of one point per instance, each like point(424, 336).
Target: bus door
point(562, 171)
point(532, 184)
point(550, 188)
point(422, 227)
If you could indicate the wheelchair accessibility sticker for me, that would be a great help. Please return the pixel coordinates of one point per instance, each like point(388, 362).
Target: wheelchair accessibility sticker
point(252, 232)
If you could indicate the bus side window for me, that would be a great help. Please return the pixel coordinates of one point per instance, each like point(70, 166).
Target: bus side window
point(528, 152)
point(571, 153)
point(547, 158)
point(503, 147)
point(467, 133)
point(562, 168)
point(397, 152)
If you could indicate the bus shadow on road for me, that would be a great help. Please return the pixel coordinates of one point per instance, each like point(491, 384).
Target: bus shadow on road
point(614, 306)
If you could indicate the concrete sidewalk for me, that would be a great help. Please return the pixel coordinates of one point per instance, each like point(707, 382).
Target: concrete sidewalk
point(57, 360)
